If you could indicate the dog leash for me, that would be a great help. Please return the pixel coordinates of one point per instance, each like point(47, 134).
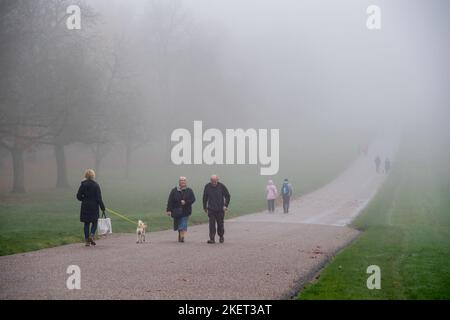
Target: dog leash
point(121, 216)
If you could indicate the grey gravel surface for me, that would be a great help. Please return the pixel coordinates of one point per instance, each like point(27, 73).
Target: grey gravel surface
point(261, 261)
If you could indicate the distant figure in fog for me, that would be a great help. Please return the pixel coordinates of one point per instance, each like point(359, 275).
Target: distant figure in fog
point(286, 193)
point(271, 195)
point(366, 149)
point(387, 165)
point(377, 164)
point(90, 196)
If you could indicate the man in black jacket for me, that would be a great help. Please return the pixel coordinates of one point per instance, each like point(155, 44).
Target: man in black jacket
point(216, 199)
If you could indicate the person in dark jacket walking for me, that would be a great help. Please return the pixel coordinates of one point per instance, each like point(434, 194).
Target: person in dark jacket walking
point(377, 163)
point(179, 206)
point(90, 196)
point(286, 194)
point(216, 199)
point(387, 165)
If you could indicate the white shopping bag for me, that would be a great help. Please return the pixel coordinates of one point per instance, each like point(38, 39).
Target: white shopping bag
point(104, 226)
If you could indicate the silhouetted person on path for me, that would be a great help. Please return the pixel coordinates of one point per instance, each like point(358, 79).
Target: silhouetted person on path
point(387, 165)
point(286, 193)
point(377, 164)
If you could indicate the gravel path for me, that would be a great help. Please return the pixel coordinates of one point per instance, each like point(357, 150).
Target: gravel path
point(265, 256)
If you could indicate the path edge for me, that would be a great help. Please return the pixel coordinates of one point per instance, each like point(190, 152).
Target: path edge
point(302, 281)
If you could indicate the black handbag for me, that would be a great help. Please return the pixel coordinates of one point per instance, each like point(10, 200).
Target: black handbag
point(176, 213)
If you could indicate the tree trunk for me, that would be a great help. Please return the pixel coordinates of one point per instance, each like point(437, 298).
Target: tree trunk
point(18, 170)
point(61, 168)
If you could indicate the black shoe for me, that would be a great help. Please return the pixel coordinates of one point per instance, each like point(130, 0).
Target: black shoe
point(182, 239)
point(91, 240)
point(87, 243)
point(221, 240)
point(211, 241)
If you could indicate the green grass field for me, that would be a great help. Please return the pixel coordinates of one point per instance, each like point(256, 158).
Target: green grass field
point(406, 233)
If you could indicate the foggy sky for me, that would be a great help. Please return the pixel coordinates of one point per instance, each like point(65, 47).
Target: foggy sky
point(316, 60)
point(308, 68)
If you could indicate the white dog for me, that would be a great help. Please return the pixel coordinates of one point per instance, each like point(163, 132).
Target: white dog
point(140, 232)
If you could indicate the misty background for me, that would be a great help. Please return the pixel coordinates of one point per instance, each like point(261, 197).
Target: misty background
point(109, 95)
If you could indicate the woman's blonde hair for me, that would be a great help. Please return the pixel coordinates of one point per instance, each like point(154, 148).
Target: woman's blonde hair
point(89, 174)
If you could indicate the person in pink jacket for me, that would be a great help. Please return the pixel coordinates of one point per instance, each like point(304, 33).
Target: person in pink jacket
point(271, 195)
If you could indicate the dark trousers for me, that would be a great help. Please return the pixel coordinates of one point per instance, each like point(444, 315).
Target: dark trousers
point(271, 205)
point(286, 204)
point(86, 229)
point(216, 218)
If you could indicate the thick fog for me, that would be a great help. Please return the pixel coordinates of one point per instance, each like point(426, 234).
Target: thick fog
point(109, 96)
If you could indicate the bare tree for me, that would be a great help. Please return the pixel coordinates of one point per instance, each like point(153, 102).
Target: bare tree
point(22, 101)
point(42, 82)
point(124, 118)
